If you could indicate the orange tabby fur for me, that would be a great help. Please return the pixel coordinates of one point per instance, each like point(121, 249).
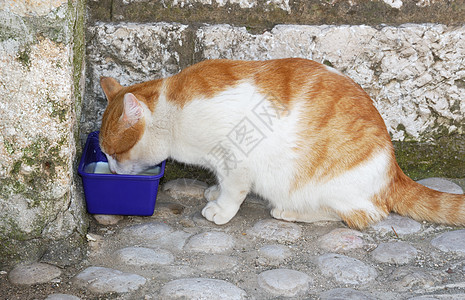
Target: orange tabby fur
point(339, 129)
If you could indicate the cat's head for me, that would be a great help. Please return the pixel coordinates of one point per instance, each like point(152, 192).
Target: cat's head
point(122, 131)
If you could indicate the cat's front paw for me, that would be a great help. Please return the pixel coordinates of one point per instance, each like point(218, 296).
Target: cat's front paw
point(218, 215)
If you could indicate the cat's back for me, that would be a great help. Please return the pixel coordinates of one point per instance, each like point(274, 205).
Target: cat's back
point(281, 78)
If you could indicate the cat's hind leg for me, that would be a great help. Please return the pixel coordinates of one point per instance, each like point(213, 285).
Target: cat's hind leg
point(310, 216)
point(232, 192)
point(360, 219)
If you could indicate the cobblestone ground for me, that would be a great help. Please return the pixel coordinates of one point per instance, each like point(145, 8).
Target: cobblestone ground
point(177, 254)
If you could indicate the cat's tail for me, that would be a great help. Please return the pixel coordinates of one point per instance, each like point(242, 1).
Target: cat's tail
point(412, 199)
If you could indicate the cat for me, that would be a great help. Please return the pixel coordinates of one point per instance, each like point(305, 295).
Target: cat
point(298, 133)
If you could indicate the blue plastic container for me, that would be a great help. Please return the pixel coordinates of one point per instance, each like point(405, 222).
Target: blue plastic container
point(115, 194)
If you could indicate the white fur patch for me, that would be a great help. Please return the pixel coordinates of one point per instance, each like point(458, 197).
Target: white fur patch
point(353, 190)
point(237, 125)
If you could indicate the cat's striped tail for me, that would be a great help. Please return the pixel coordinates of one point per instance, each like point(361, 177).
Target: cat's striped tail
point(412, 199)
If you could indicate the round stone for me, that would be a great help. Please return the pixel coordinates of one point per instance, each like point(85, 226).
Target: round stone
point(210, 242)
point(452, 241)
point(284, 282)
point(33, 273)
point(273, 254)
point(62, 297)
point(184, 187)
point(139, 256)
point(108, 219)
point(150, 231)
point(201, 288)
point(442, 185)
point(105, 280)
point(394, 253)
point(346, 269)
point(341, 239)
point(397, 224)
point(344, 294)
point(173, 241)
point(275, 230)
point(217, 263)
point(406, 279)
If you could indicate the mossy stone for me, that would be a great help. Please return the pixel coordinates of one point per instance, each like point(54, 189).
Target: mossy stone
point(444, 158)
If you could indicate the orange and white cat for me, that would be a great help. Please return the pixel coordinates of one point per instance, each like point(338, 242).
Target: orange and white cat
point(300, 134)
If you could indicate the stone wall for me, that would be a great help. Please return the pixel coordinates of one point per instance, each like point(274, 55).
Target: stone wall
point(413, 68)
point(41, 87)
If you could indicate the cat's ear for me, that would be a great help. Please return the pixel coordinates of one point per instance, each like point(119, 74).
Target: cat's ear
point(110, 87)
point(133, 111)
